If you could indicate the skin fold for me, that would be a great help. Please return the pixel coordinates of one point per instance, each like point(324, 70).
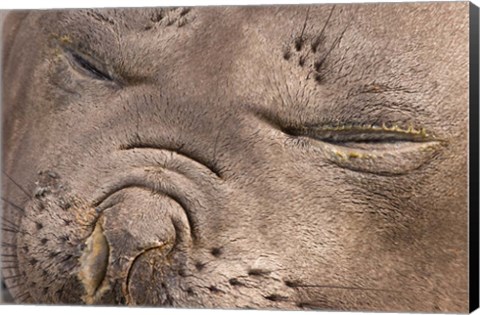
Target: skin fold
point(271, 157)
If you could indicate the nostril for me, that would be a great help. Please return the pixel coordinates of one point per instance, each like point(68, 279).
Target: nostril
point(94, 263)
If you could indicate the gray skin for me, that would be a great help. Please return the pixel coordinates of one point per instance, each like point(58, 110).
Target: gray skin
point(286, 157)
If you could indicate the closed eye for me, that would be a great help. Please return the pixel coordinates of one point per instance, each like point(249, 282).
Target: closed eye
point(362, 134)
point(88, 67)
point(373, 149)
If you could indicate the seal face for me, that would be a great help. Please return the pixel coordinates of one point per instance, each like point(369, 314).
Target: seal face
point(291, 157)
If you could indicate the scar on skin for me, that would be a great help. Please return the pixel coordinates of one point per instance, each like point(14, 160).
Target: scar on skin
point(93, 265)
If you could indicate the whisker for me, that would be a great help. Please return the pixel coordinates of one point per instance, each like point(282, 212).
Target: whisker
point(9, 267)
point(18, 297)
point(15, 286)
point(12, 277)
point(8, 255)
point(10, 230)
point(13, 230)
point(327, 22)
point(13, 205)
point(4, 244)
point(319, 63)
point(11, 222)
point(18, 185)
point(305, 23)
point(9, 226)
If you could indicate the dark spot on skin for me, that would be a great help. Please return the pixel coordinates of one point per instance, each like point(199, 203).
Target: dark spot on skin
point(199, 265)
point(64, 238)
point(67, 222)
point(287, 53)
point(190, 291)
point(25, 249)
point(45, 290)
point(276, 298)
point(213, 289)
point(298, 44)
point(290, 284)
point(315, 43)
point(318, 78)
point(301, 61)
point(44, 273)
point(235, 282)
point(316, 65)
point(258, 272)
point(216, 251)
point(33, 261)
point(181, 273)
point(38, 225)
point(66, 258)
point(44, 241)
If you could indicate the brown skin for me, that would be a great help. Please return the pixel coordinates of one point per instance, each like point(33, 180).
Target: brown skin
point(245, 157)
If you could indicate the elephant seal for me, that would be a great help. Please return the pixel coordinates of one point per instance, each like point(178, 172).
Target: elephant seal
point(287, 157)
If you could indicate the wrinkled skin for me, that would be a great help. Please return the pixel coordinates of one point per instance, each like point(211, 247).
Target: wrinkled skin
point(238, 157)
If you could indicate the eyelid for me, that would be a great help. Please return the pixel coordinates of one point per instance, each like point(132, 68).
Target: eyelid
point(363, 133)
point(90, 67)
point(380, 150)
point(397, 160)
point(87, 64)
